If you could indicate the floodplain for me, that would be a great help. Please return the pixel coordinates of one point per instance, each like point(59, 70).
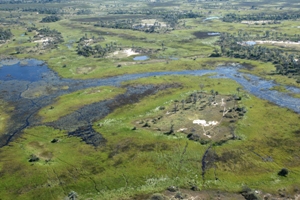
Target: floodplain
point(149, 99)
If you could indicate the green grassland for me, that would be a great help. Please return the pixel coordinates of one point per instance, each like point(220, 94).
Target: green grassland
point(69, 103)
point(142, 162)
point(179, 43)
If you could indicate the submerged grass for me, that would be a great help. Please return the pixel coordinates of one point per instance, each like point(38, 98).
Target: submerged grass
point(69, 103)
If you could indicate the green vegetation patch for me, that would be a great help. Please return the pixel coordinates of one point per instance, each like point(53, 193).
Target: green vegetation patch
point(35, 167)
point(5, 109)
point(143, 161)
point(268, 138)
point(69, 103)
point(44, 163)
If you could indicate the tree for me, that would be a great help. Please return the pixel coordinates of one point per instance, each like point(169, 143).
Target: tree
point(72, 195)
point(238, 89)
point(201, 85)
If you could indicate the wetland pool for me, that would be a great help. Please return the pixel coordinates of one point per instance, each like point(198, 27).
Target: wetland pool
point(140, 58)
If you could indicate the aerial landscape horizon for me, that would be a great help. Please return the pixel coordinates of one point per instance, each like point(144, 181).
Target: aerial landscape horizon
point(149, 99)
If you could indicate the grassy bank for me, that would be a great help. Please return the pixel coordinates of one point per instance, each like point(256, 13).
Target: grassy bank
point(69, 103)
point(5, 109)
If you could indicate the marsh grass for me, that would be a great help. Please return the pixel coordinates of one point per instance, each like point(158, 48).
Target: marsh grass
point(69, 103)
point(178, 43)
point(142, 161)
point(5, 110)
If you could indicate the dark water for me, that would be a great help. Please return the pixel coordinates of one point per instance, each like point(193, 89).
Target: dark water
point(20, 78)
point(36, 73)
point(30, 70)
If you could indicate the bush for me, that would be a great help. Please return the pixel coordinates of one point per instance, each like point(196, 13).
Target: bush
point(52, 18)
point(157, 196)
point(283, 172)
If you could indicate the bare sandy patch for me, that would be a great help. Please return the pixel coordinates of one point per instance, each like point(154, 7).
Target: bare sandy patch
point(44, 40)
point(151, 22)
point(84, 70)
point(258, 22)
point(276, 42)
point(123, 53)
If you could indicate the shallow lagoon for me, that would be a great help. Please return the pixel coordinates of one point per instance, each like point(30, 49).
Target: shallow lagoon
point(140, 58)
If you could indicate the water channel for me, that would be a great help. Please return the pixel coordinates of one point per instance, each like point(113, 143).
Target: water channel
point(21, 80)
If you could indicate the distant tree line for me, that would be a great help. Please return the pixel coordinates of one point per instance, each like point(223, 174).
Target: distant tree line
point(171, 19)
point(31, 1)
point(84, 12)
point(5, 34)
point(10, 21)
point(51, 18)
point(286, 63)
point(158, 12)
point(266, 35)
point(49, 11)
point(129, 24)
point(232, 17)
point(42, 10)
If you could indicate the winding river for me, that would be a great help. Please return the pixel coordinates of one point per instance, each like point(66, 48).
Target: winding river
point(21, 81)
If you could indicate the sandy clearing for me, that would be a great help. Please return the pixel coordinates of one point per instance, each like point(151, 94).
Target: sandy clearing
point(257, 22)
point(44, 40)
point(123, 53)
point(84, 70)
point(204, 123)
point(276, 42)
point(150, 22)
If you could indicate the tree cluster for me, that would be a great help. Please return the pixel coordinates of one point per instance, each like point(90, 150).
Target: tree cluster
point(171, 19)
point(51, 18)
point(158, 12)
point(30, 1)
point(233, 17)
point(47, 32)
point(84, 48)
point(119, 24)
point(84, 12)
point(130, 24)
point(5, 34)
point(43, 10)
point(286, 63)
point(54, 35)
